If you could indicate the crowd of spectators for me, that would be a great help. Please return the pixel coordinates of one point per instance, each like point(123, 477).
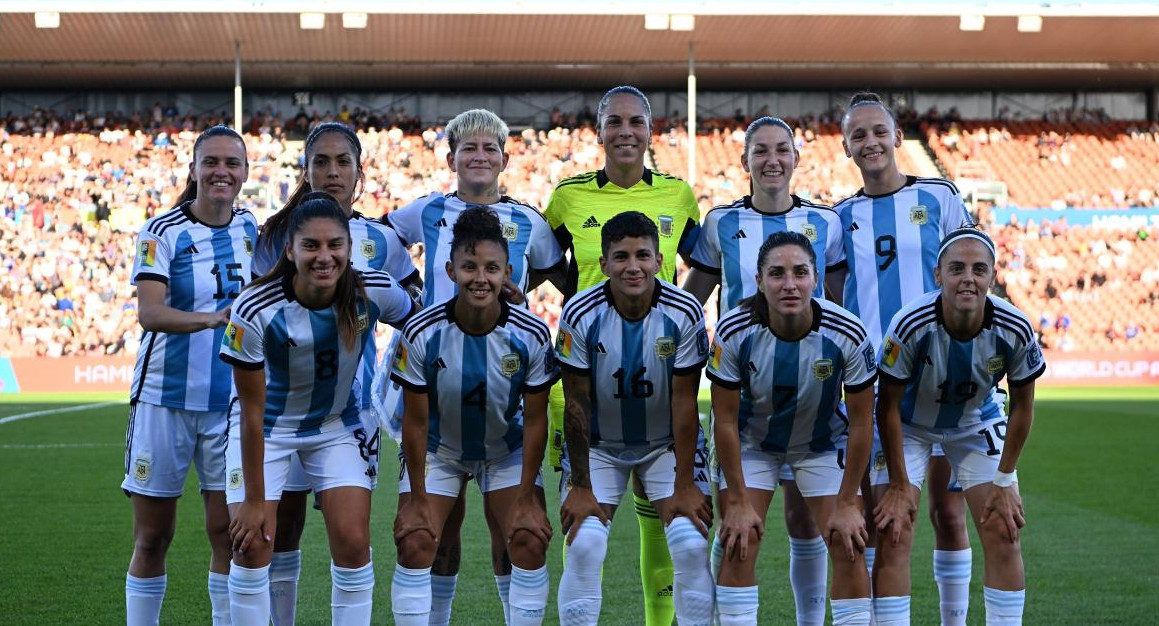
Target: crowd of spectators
point(74, 188)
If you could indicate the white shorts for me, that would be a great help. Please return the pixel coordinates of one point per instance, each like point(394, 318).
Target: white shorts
point(369, 440)
point(655, 467)
point(328, 460)
point(817, 473)
point(446, 478)
point(973, 452)
point(161, 443)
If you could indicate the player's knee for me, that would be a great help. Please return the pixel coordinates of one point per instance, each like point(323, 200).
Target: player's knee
point(994, 536)
point(685, 543)
point(351, 545)
point(524, 547)
point(152, 543)
point(416, 550)
point(590, 546)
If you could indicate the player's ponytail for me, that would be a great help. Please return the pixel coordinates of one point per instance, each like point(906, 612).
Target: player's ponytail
point(190, 191)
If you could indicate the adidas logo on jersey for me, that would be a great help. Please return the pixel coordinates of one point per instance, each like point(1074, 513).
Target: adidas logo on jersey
point(289, 343)
point(740, 235)
point(752, 367)
point(440, 364)
point(192, 249)
point(600, 348)
point(852, 227)
point(442, 223)
point(591, 222)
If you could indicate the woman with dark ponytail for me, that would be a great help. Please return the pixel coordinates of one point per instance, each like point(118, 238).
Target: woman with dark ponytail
point(334, 168)
point(296, 340)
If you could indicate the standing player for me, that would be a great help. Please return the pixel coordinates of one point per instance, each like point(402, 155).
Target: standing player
point(295, 341)
point(476, 373)
point(632, 348)
point(577, 211)
point(941, 362)
point(892, 228)
point(333, 166)
point(477, 140)
point(780, 363)
point(191, 263)
point(726, 254)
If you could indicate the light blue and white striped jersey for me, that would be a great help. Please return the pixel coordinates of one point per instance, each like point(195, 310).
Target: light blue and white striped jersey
point(204, 268)
point(311, 383)
point(373, 246)
point(430, 220)
point(475, 383)
point(631, 363)
point(951, 383)
point(891, 246)
point(790, 390)
point(731, 237)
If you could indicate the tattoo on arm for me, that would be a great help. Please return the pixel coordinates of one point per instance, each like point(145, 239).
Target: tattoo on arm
point(576, 433)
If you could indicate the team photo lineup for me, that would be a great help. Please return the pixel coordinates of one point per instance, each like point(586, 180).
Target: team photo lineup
point(354, 313)
point(855, 358)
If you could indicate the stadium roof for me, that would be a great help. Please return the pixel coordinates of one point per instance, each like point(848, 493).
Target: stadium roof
point(532, 46)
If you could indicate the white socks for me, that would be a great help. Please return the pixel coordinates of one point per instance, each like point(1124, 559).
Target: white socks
point(410, 596)
point(503, 585)
point(891, 611)
point(249, 595)
point(952, 573)
point(579, 595)
point(143, 598)
point(351, 594)
point(285, 568)
point(737, 606)
point(809, 576)
point(219, 598)
point(851, 612)
point(692, 581)
point(1004, 608)
point(528, 596)
point(442, 596)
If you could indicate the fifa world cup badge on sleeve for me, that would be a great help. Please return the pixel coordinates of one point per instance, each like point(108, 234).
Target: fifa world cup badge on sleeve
point(563, 343)
point(148, 253)
point(715, 362)
point(232, 337)
point(400, 358)
point(890, 351)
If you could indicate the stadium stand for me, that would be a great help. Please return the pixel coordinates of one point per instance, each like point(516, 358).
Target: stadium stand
point(76, 186)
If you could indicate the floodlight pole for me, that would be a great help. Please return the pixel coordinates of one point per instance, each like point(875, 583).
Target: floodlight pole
point(237, 86)
point(691, 115)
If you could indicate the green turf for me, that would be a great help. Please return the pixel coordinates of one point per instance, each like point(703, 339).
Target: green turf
point(1086, 476)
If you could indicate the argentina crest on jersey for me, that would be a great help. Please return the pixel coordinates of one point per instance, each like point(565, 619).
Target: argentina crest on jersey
point(809, 231)
point(665, 347)
point(822, 369)
point(368, 248)
point(995, 364)
point(919, 215)
point(510, 231)
point(510, 364)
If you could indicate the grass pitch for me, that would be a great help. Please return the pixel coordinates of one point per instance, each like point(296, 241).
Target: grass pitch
point(1087, 478)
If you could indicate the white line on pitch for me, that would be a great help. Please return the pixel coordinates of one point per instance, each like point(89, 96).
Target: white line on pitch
point(70, 409)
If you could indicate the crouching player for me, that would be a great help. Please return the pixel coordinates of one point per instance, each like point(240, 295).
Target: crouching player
point(475, 373)
point(632, 348)
point(941, 362)
point(778, 367)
